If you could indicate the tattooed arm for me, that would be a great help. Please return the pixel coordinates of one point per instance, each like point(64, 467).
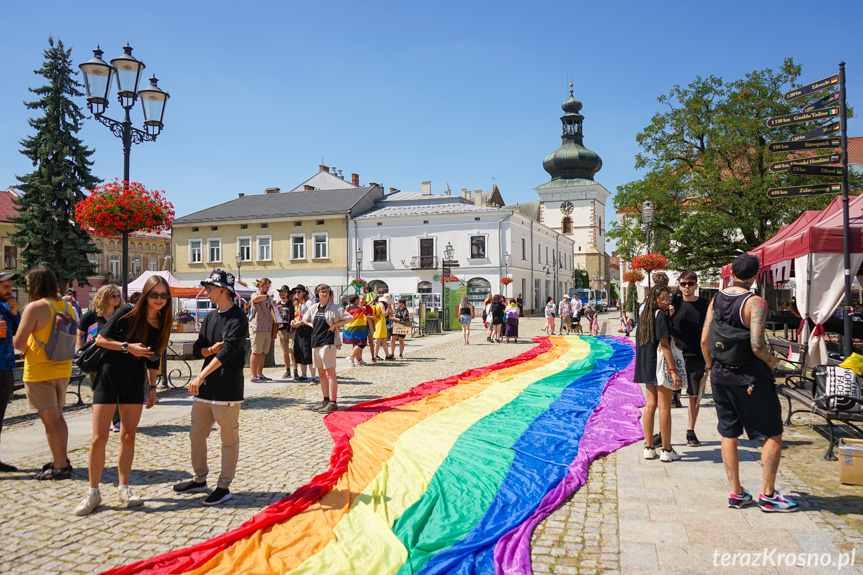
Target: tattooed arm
point(705, 335)
point(756, 309)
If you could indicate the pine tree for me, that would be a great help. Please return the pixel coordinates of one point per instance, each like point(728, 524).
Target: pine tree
point(46, 232)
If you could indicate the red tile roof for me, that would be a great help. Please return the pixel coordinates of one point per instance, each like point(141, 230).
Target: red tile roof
point(7, 208)
point(855, 150)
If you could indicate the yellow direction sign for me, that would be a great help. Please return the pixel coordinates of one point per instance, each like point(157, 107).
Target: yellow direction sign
point(814, 161)
point(794, 191)
point(814, 133)
point(803, 117)
point(815, 170)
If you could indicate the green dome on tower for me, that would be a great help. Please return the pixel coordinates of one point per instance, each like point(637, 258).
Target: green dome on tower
point(572, 161)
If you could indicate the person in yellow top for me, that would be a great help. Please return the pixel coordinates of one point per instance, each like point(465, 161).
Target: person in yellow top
point(45, 381)
point(381, 310)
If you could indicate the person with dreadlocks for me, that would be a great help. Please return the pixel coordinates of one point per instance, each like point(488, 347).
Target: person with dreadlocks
point(652, 337)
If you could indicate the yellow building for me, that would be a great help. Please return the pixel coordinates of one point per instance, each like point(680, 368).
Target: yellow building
point(292, 237)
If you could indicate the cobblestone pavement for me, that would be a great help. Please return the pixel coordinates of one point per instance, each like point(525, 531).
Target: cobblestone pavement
point(618, 523)
point(283, 445)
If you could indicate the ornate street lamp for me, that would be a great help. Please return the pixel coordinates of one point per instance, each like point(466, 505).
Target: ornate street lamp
point(239, 265)
point(506, 272)
point(359, 260)
point(647, 220)
point(449, 251)
point(97, 81)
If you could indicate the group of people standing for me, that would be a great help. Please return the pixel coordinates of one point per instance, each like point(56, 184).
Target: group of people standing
point(571, 311)
point(677, 344)
point(500, 316)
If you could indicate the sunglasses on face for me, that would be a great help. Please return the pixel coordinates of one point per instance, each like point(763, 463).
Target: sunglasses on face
point(687, 284)
point(115, 295)
point(159, 295)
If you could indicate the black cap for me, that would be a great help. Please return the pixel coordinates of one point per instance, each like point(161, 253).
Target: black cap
point(222, 279)
point(300, 287)
point(69, 291)
point(745, 266)
point(285, 288)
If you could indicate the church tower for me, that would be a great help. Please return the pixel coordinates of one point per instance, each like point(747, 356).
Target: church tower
point(573, 203)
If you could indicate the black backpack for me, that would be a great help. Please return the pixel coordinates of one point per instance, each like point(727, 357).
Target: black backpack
point(729, 345)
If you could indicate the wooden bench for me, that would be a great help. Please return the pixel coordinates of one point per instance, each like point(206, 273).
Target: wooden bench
point(798, 386)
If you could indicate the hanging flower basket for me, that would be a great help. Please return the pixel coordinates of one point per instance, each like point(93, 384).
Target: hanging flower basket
point(448, 279)
point(506, 281)
point(358, 282)
point(242, 283)
point(633, 277)
point(649, 262)
point(117, 207)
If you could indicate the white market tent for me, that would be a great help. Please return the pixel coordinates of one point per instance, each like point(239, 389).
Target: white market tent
point(178, 289)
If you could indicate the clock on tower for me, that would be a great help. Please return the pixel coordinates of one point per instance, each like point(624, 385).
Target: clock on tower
point(566, 208)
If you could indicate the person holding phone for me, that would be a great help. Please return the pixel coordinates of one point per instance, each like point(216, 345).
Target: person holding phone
point(135, 337)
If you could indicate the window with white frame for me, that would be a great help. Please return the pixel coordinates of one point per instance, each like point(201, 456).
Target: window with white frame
point(195, 256)
point(115, 265)
point(321, 243)
point(244, 248)
point(477, 247)
point(214, 250)
point(153, 264)
point(380, 251)
point(265, 248)
point(298, 246)
point(94, 261)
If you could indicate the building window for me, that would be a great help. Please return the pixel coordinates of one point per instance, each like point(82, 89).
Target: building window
point(477, 246)
point(298, 246)
point(10, 257)
point(379, 251)
point(524, 249)
point(424, 287)
point(265, 248)
point(214, 250)
point(195, 252)
point(321, 243)
point(94, 261)
point(539, 253)
point(115, 265)
point(244, 248)
point(136, 266)
point(154, 264)
point(566, 225)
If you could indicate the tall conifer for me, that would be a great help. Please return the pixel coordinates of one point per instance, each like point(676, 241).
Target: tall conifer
point(46, 232)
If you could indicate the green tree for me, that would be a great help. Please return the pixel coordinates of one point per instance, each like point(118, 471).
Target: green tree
point(46, 232)
point(707, 171)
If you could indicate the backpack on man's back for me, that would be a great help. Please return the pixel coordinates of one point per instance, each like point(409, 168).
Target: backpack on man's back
point(64, 332)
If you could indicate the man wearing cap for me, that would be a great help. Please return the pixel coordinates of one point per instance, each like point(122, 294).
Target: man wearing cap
point(218, 389)
point(743, 387)
point(9, 318)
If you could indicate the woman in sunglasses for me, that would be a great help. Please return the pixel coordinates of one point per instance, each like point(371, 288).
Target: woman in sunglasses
point(135, 337)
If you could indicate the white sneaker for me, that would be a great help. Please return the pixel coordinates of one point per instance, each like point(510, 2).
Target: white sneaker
point(352, 362)
point(88, 504)
point(129, 499)
point(669, 455)
point(650, 453)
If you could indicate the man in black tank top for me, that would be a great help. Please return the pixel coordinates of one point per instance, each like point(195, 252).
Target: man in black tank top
point(744, 394)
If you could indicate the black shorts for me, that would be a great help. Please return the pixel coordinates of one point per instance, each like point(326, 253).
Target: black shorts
point(694, 375)
point(759, 414)
point(128, 393)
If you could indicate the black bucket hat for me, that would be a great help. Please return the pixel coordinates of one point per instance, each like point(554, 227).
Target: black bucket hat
point(301, 287)
point(285, 288)
point(222, 279)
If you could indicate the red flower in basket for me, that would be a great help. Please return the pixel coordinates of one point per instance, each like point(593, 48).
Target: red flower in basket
point(506, 281)
point(448, 279)
point(649, 262)
point(116, 207)
point(633, 277)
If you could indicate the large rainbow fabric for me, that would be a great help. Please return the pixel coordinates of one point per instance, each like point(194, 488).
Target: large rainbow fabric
point(450, 477)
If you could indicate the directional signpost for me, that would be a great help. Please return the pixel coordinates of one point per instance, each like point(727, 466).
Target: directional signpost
point(780, 147)
point(830, 106)
point(796, 191)
point(814, 171)
point(814, 161)
point(816, 132)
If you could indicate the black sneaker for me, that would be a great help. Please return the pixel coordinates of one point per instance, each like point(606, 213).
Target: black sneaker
point(657, 440)
point(675, 400)
point(692, 439)
point(191, 486)
point(220, 495)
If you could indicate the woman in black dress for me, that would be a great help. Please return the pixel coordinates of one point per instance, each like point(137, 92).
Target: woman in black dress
point(652, 337)
point(105, 303)
point(135, 337)
point(497, 308)
point(302, 334)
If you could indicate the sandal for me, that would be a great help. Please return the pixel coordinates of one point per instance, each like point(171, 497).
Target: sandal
point(52, 473)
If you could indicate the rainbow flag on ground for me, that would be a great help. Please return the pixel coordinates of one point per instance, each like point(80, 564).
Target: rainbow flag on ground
point(450, 477)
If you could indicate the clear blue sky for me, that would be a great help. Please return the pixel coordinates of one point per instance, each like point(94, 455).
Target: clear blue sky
point(401, 92)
